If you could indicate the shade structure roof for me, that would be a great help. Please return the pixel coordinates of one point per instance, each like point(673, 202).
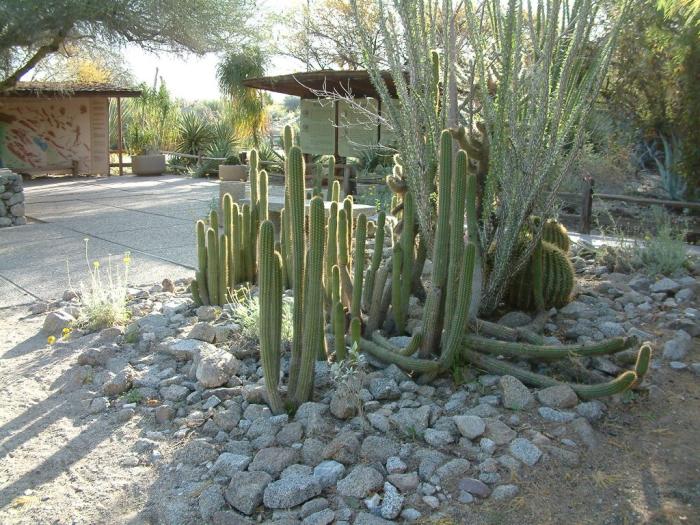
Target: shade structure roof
point(67, 90)
point(309, 84)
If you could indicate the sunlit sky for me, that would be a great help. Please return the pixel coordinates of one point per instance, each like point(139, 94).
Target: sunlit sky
point(193, 77)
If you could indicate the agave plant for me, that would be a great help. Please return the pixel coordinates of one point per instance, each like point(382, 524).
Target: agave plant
point(195, 134)
point(668, 166)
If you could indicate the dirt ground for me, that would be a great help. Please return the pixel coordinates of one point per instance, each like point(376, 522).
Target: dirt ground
point(59, 465)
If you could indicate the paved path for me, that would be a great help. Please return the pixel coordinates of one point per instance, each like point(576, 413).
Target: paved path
point(152, 217)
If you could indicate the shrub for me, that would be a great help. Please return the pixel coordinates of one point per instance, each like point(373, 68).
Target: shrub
point(246, 312)
point(103, 298)
point(664, 253)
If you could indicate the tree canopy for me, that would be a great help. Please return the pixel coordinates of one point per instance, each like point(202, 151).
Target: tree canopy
point(31, 30)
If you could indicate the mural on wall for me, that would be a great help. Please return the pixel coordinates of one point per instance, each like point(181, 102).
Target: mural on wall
point(44, 134)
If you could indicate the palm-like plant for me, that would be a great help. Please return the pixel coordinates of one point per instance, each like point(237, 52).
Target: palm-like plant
point(247, 111)
point(195, 134)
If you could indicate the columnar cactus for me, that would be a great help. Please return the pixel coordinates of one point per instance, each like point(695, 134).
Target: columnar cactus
point(330, 178)
point(368, 287)
point(269, 279)
point(457, 206)
point(360, 237)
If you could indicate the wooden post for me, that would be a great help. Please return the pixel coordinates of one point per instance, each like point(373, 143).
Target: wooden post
point(587, 205)
point(119, 136)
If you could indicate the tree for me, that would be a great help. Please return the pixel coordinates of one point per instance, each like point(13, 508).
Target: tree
point(324, 34)
point(248, 105)
point(31, 30)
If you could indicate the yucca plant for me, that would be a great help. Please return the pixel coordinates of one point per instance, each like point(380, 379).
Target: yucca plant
point(668, 164)
point(195, 134)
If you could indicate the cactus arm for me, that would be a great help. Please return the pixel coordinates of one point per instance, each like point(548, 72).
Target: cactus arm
point(331, 245)
point(406, 363)
point(544, 352)
point(201, 278)
point(313, 294)
point(223, 268)
point(376, 315)
point(330, 166)
point(431, 318)
point(214, 221)
point(263, 196)
point(246, 245)
point(287, 139)
point(460, 319)
point(295, 189)
point(355, 331)
point(376, 260)
point(344, 258)
point(202, 261)
point(228, 232)
point(413, 346)
point(270, 314)
point(360, 238)
point(212, 267)
point(396, 299)
point(641, 366)
point(490, 364)
point(408, 240)
point(347, 206)
point(459, 191)
point(236, 246)
point(339, 331)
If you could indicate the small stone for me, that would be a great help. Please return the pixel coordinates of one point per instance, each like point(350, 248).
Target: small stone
point(431, 501)
point(591, 410)
point(360, 482)
point(210, 501)
point(438, 438)
point(392, 503)
point(611, 329)
point(343, 448)
point(312, 506)
point(465, 497)
point(383, 388)
point(207, 313)
point(97, 405)
point(450, 470)
point(125, 414)
point(343, 405)
point(504, 492)
point(55, 322)
point(322, 517)
point(394, 465)
point(328, 473)
point(665, 285)
point(230, 465)
point(404, 482)
point(558, 396)
point(556, 416)
point(290, 433)
point(525, 451)
point(245, 492)
point(475, 487)
point(516, 395)
point(164, 414)
point(297, 470)
point(118, 384)
point(488, 446)
point(515, 319)
point(174, 392)
point(499, 432)
point(585, 432)
point(365, 518)
point(678, 347)
point(291, 491)
point(274, 460)
point(203, 331)
point(215, 366)
point(678, 365)
point(470, 426)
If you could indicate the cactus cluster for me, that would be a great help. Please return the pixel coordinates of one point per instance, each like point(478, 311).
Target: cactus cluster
point(229, 258)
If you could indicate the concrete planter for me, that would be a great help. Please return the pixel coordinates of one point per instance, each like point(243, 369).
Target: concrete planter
point(148, 164)
point(233, 172)
point(235, 188)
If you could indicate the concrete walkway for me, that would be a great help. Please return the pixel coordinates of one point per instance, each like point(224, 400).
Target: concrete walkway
point(151, 217)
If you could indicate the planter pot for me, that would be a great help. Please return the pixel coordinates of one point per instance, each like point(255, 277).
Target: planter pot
point(235, 188)
point(148, 164)
point(233, 173)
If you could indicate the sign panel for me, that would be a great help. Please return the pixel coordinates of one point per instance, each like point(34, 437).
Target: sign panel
point(316, 125)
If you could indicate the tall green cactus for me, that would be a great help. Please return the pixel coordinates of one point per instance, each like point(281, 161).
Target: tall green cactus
point(295, 189)
point(212, 267)
point(331, 244)
point(344, 258)
point(360, 237)
point(397, 302)
point(263, 212)
point(312, 335)
point(335, 191)
point(269, 279)
point(368, 287)
point(457, 206)
point(330, 178)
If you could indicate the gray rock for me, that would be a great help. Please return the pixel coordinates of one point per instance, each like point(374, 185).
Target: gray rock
point(678, 365)
point(524, 450)
point(207, 313)
point(343, 448)
point(678, 347)
point(384, 388)
point(312, 451)
point(313, 417)
point(611, 329)
point(516, 396)
point(474, 487)
point(312, 506)
point(210, 501)
point(290, 433)
point(591, 410)
point(197, 452)
point(404, 482)
point(429, 461)
point(378, 448)
point(203, 332)
point(395, 465)
point(411, 421)
point(392, 503)
point(556, 416)
point(438, 438)
point(329, 472)
point(118, 384)
point(245, 492)
point(297, 470)
point(174, 392)
point(274, 460)
point(499, 432)
point(98, 405)
point(504, 492)
point(665, 285)
point(450, 470)
point(584, 430)
point(488, 446)
point(558, 396)
point(322, 517)
point(566, 457)
point(55, 322)
point(343, 404)
point(215, 366)
point(182, 349)
point(291, 491)
point(365, 518)
point(470, 426)
point(360, 482)
point(164, 414)
point(230, 465)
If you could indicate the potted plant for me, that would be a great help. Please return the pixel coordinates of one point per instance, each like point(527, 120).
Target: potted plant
point(232, 170)
point(145, 158)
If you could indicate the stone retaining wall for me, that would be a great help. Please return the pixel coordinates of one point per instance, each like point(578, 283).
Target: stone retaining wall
point(11, 199)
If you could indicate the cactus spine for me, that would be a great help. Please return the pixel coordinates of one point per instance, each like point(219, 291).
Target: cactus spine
point(269, 279)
